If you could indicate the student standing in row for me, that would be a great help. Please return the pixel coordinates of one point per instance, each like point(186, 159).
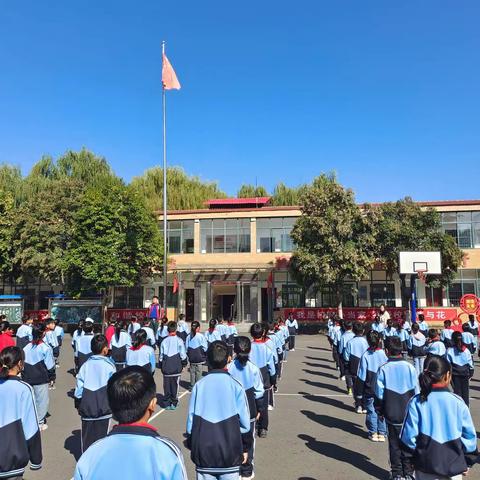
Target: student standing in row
point(447, 332)
point(196, 346)
point(22, 443)
point(213, 334)
point(438, 431)
point(232, 333)
point(417, 348)
point(215, 423)
point(378, 326)
point(468, 338)
point(119, 344)
point(424, 328)
point(133, 449)
point(461, 360)
point(75, 336)
point(396, 383)
point(292, 326)
point(183, 328)
point(51, 339)
point(83, 342)
point(473, 325)
point(162, 331)
point(6, 335)
point(150, 333)
point(172, 359)
point(141, 353)
point(91, 393)
point(347, 335)
point(24, 333)
point(134, 326)
point(435, 346)
point(39, 371)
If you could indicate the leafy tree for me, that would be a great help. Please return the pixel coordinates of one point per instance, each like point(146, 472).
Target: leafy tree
point(11, 181)
point(287, 196)
point(252, 191)
point(116, 240)
point(184, 192)
point(335, 239)
point(7, 227)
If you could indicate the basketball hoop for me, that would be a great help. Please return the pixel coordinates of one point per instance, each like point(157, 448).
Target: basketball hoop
point(422, 275)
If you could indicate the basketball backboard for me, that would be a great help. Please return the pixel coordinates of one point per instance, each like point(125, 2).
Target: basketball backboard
point(411, 263)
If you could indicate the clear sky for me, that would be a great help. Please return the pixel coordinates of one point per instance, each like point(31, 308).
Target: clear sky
point(386, 93)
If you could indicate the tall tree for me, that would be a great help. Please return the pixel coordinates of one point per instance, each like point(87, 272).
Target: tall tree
point(184, 192)
point(7, 228)
point(252, 191)
point(335, 239)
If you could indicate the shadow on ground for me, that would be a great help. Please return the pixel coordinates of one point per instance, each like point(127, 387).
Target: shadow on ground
point(74, 444)
point(335, 422)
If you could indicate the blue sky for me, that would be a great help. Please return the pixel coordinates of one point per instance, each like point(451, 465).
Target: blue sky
point(385, 93)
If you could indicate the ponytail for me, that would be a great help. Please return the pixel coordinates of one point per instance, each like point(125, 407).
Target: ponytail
point(119, 326)
point(80, 327)
point(457, 340)
point(242, 349)
point(139, 339)
point(9, 358)
point(4, 326)
point(38, 331)
point(435, 368)
point(194, 327)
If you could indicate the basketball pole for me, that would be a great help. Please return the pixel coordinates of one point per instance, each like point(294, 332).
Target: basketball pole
point(413, 298)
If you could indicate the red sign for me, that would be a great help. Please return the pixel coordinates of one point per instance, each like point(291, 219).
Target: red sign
point(349, 313)
point(38, 315)
point(126, 313)
point(470, 303)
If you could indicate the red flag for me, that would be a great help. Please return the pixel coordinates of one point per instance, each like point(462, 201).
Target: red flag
point(175, 283)
point(169, 77)
point(270, 280)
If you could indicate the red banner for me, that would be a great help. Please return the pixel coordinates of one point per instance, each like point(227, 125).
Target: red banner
point(126, 313)
point(349, 313)
point(38, 315)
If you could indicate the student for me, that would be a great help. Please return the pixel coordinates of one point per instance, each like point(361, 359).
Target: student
point(39, 371)
point(417, 348)
point(292, 326)
point(473, 325)
point(119, 344)
point(438, 431)
point(347, 335)
point(222, 329)
point(172, 359)
point(390, 331)
point(141, 353)
point(446, 335)
point(434, 345)
point(352, 354)
point(59, 332)
point(162, 331)
point(182, 328)
point(337, 334)
point(150, 333)
point(91, 392)
point(155, 312)
point(83, 350)
point(424, 328)
point(249, 375)
point(51, 338)
point(378, 326)
point(232, 333)
point(262, 357)
point(22, 443)
point(280, 341)
point(402, 334)
point(460, 359)
point(133, 449)
point(196, 346)
point(396, 383)
point(215, 423)
point(78, 332)
point(370, 362)
point(272, 343)
point(24, 332)
point(110, 330)
point(286, 335)
point(6, 335)
point(468, 338)
point(134, 326)
point(212, 334)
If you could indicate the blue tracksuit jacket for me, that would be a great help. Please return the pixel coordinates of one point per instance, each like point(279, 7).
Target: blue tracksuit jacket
point(143, 357)
point(461, 362)
point(417, 346)
point(24, 335)
point(120, 346)
point(262, 356)
point(368, 367)
point(436, 348)
point(39, 365)
point(353, 352)
point(83, 348)
point(172, 356)
point(446, 337)
point(197, 347)
point(344, 339)
point(470, 341)
point(213, 335)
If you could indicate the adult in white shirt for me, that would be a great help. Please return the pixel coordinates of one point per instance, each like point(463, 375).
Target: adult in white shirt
point(383, 315)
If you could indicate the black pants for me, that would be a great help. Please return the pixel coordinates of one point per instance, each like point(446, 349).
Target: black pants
point(341, 365)
point(248, 440)
point(291, 342)
point(262, 423)
point(278, 366)
point(349, 378)
point(461, 387)
point(400, 461)
point(269, 393)
point(93, 430)
point(170, 390)
point(335, 356)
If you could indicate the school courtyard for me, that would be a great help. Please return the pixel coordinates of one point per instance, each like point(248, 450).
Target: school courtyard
point(314, 433)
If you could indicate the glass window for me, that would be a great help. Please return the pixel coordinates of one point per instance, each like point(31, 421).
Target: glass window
point(128, 297)
point(225, 235)
point(449, 217)
point(434, 296)
point(382, 293)
point(455, 294)
point(465, 235)
point(292, 296)
point(476, 235)
point(273, 234)
point(172, 298)
point(180, 236)
point(464, 217)
point(464, 227)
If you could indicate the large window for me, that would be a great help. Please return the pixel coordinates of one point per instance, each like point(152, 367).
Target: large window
point(180, 236)
point(382, 293)
point(273, 234)
point(464, 227)
point(225, 235)
point(128, 297)
point(467, 281)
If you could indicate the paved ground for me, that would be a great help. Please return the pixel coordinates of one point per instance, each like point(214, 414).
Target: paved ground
point(314, 433)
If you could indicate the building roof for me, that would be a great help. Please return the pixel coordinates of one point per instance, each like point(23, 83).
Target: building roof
point(237, 202)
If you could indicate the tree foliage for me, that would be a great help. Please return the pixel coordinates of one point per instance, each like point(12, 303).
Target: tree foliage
point(7, 229)
point(335, 239)
point(288, 196)
point(251, 191)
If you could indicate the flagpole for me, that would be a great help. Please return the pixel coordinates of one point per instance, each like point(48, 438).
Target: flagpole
point(165, 232)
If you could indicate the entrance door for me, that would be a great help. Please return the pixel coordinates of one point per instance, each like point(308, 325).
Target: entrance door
point(189, 304)
point(227, 305)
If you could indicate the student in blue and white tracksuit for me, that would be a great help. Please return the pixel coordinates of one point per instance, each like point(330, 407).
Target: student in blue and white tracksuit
point(222, 329)
point(249, 375)
point(232, 333)
point(24, 333)
point(370, 362)
point(292, 326)
point(390, 331)
point(83, 349)
point(262, 357)
point(59, 332)
point(140, 353)
point(91, 393)
point(119, 344)
point(352, 354)
point(172, 359)
point(162, 331)
point(468, 338)
point(215, 423)
point(196, 346)
point(213, 334)
point(278, 343)
point(150, 333)
point(51, 338)
point(473, 325)
point(286, 335)
point(447, 332)
point(424, 328)
point(133, 449)
point(438, 431)
point(461, 360)
point(417, 348)
point(378, 326)
point(18, 418)
point(78, 332)
point(337, 332)
point(434, 345)
point(271, 341)
point(134, 326)
point(347, 335)
point(183, 329)
point(395, 385)
point(39, 371)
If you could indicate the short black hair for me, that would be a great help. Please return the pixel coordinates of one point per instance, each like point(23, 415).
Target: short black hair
point(394, 346)
point(98, 343)
point(256, 330)
point(358, 328)
point(172, 327)
point(217, 355)
point(421, 317)
point(129, 393)
point(432, 333)
point(348, 325)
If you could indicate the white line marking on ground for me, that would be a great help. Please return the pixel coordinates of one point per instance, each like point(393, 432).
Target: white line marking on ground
point(311, 395)
point(153, 417)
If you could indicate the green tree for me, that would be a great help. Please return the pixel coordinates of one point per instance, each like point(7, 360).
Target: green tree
point(335, 239)
point(116, 240)
point(284, 196)
point(11, 181)
point(252, 191)
point(7, 228)
point(184, 192)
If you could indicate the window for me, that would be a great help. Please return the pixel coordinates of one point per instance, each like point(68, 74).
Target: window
point(292, 296)
point(222, 235)
point(273, 234)
point(464, 227)
point(128, 297)
point(467, 281)
point(172, 298)
point(326, 297)
point(434, 296)
point(180, 236)
point(382, 293)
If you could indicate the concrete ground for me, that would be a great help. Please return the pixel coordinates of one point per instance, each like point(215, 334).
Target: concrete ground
point(314, 432)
